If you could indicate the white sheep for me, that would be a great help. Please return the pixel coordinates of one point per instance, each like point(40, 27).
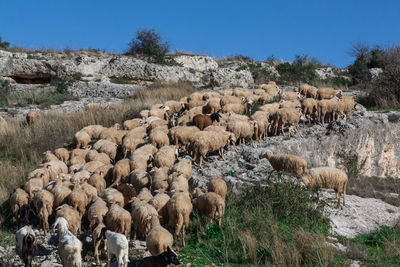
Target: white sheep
point(327, 177)
point(117, 245)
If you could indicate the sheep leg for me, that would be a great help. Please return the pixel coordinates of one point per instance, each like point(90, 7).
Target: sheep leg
point(221, 153)
point(96, 250)
point(109, 255)
point(338, 199)
point(183, 235)
point(344, 194)
point(200, 161)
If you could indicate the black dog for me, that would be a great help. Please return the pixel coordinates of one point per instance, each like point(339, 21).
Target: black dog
point(162, 260)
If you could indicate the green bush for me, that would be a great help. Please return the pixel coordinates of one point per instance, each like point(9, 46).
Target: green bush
point(150, 44)
point(5, 89)
point(301, 70)
point(352, 164)
point(4, 44)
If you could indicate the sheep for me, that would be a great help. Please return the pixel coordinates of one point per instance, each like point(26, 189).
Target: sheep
point(177, 183)
point(308, 91)
point(156, 123)
point(105, 171)
point(211, 142)
point(174, 106)
point(33, 185)
point(106, 146)
point(90, 191)
point(211, 95)
point(195, 103)
point(159, 201)
point(242, 92)
point(327, 177)
point(271, 89)
point(290, 96)
point(202, 121)
point(129, 144)
point(243, 130)
point(97, 180)
point(69, 246)
point(227, 92)
point(60, 193)
point(81, 139)
point(94, 106)
point(131, 124)
point(139, 161)
point(165, 157)
point(303, 89)
point(210, 204)
point(146, 151)
point(269, 108)
point(178, 209)
point(236, 117)
point(159, 178)
point(97, 230)
point(180, 135)
point(215, 128)
point(43, 202)
point(3, 123)
point(213, 105)
point(164, 259)
point(93, 155)
point(183, 167)
point(78, 152)
point(76, 163)
point(309, 108)
point(49, 156)
point(78, 199)
point(159, 112)
point(118, 220)
point(144, 114)
point(139, 178)
point(286, 117)
point(25, 243)
point(158, 239)
point(230, 99)
point(98, 209)
point(112, 195)
point(328, 93)
point(159, 139)
point(62, 154)
point(141, 212)
point(144, 195)
point(94, 131)
point(19, 200)
point(286, 162)
point(71, 216)
point(117, 245)
point(346, 105)
point(327, 108)
point(127, 191)
point(54, 168)
point(121, 171)
point(261, 118)
point(81, 176)
point(31, 117)
point(290, 104)
point(218, 185)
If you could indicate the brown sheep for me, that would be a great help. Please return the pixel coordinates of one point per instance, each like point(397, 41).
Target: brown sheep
point(179, 208)
point(218, 185)
point(202, 121)
point(43, 202)
point(31, 117)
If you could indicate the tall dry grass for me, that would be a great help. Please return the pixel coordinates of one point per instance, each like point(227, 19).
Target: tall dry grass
point(21, 146)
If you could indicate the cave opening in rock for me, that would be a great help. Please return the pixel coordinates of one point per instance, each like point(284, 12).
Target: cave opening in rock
point(31, 79)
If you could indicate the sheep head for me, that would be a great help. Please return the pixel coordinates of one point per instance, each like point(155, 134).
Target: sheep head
point(197, 192)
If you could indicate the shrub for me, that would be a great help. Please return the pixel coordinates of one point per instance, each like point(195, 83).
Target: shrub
point(4, 44)
point(5, 89)
point(302, 69)
point(352, 164)
point(149, 43)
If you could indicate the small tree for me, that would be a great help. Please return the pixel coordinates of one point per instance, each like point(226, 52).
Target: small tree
point(149, 43)
point(4, 44)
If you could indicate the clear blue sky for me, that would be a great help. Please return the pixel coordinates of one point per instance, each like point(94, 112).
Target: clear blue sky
point(320, 28)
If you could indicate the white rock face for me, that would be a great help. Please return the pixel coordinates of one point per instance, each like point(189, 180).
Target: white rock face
point(196, 69)
point(360, 215)
point(199, 63)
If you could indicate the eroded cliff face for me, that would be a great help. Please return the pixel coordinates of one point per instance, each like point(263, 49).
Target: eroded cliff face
point(202, 71)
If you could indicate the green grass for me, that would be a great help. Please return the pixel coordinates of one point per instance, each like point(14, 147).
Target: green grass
point(380, 248)
point(7, 238)
point(270, 224)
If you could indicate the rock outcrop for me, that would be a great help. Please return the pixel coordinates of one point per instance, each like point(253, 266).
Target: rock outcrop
point(99, 69)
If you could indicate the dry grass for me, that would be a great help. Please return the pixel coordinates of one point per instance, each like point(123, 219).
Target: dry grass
point(21, 147)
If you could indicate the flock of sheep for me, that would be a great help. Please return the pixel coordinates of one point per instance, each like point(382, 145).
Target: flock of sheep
point(136, 179)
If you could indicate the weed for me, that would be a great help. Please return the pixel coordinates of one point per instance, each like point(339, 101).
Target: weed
point(351, 163)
